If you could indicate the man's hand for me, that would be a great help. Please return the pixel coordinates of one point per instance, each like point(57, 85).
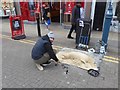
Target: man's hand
point(73, 24)
point(57, 62)
point(42, 18)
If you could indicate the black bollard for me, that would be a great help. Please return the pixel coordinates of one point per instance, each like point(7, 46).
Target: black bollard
point(38, 24)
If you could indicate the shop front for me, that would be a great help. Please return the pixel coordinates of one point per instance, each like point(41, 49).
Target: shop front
point(7, 8)
point(60, 11)
point(28, 10)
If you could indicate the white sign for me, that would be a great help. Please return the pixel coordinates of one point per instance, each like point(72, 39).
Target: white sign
point(81, 23)
point(16, 25)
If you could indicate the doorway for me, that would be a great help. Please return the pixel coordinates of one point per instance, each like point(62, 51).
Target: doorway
point(99, 16)
point(27, 11)
point(55, 11)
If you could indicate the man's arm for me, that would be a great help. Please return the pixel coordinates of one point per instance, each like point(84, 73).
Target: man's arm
point(50, 51)
point(82, 12)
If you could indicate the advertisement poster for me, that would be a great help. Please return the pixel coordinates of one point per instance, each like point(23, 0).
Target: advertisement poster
point(69, 6)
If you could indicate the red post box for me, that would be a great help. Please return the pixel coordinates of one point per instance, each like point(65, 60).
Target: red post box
point(17, 27)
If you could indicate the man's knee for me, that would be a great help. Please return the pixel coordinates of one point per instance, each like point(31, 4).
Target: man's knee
point(46, 55)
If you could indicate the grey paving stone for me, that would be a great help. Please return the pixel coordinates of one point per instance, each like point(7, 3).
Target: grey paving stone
point(56, 83)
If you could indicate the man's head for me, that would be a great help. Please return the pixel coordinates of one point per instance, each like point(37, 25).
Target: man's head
point(51, 36)
point(78, 4)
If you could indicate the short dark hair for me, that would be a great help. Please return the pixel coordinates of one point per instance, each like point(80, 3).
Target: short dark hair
point(78, 2)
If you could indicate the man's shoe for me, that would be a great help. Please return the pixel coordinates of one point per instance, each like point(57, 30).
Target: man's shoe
point(70, 37)
point(39, 67)
point(47, 63)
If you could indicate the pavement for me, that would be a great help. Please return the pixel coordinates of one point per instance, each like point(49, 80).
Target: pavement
point(19, 70)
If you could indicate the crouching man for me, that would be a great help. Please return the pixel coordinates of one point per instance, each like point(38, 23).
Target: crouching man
point(42, 51)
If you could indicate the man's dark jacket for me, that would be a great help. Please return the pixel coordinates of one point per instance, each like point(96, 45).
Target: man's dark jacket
point(42, 46)
point(45, 12)
point(75, 14)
